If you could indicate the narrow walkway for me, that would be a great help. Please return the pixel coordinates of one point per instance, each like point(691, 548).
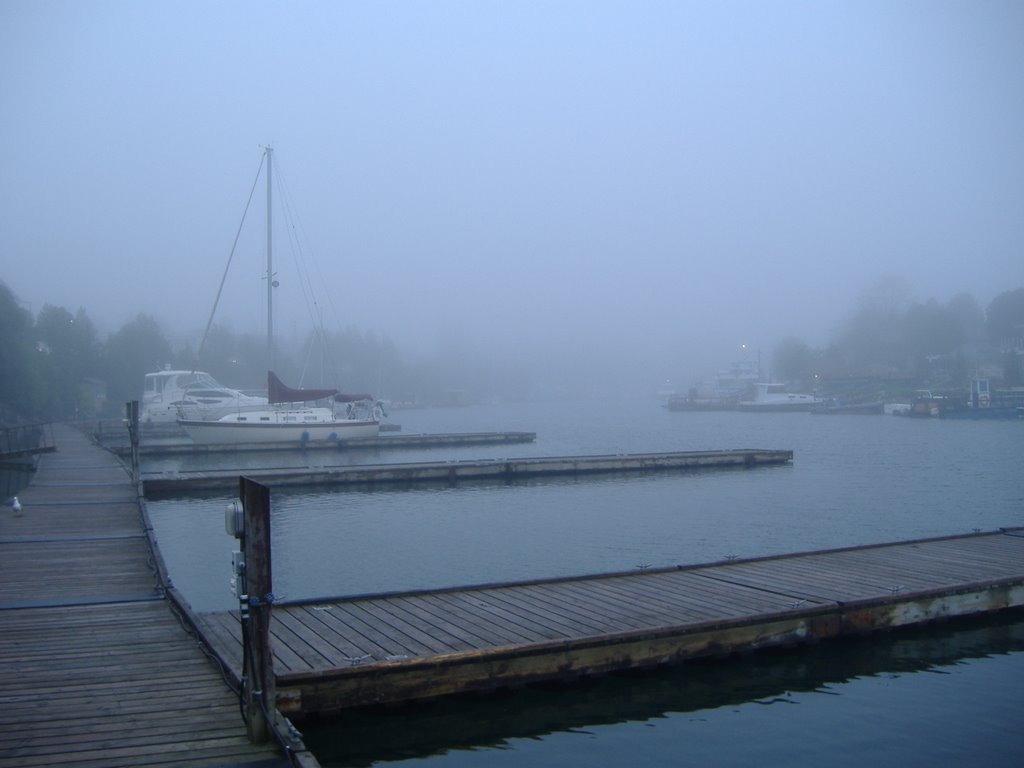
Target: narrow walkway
point(95, 668)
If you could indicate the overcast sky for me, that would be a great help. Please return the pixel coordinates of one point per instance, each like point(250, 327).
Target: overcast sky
point(671, 178)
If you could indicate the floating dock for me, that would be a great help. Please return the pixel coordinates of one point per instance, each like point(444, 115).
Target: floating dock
point(333, 654)
point(182, 446)
point(455, 471)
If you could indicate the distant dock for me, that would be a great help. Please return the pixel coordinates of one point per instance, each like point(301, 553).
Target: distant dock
point(480, 469)
point(170, 444)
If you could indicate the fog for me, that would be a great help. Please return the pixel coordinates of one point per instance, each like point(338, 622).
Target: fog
point(618, 188)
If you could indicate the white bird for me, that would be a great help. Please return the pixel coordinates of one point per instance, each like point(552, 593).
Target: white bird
point(16, 506)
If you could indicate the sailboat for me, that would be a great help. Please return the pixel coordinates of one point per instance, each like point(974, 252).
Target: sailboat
point(289, 415)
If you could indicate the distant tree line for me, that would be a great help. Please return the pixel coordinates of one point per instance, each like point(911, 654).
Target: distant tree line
point(55, 366)
point(887, 336)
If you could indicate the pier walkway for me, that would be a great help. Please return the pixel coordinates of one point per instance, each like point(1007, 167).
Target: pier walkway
point(95, 667)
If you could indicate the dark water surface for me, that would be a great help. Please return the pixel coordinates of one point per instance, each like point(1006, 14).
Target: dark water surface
point(954, 692)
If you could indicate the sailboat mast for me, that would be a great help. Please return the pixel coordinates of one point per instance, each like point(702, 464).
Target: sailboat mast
point(270, 267)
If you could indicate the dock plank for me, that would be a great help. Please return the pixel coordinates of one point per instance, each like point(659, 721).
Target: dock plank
point(657, 609)
point(331, 644)
point(497, 631)
point(386, 643)
point(454, 623)
point(405, 639)
point(296, 645)
point(441, 634)
point(361, 643)
point(528, 617)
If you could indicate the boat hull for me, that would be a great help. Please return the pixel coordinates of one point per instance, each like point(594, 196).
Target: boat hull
point(229, 433)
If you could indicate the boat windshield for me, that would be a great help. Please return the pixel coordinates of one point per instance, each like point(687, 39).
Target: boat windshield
point(198, 379)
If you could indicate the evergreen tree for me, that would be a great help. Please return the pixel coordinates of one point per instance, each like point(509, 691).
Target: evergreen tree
point(22, 387)
point(137, 348)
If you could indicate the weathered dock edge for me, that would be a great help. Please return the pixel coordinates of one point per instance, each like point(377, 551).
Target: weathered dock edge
point(183, 446)
point(478, 469)
point(300, 695)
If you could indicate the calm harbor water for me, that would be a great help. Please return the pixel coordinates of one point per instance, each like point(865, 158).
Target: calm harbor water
point(910, 698)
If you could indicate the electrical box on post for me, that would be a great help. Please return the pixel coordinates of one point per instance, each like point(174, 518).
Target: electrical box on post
point(234, 520)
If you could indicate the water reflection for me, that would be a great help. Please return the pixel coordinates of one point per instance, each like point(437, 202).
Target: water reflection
point(367, 736)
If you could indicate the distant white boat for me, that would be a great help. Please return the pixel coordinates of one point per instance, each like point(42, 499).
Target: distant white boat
point(774, 397)
point(171, 395)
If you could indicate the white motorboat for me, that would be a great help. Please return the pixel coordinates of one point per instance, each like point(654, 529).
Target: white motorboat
point(171, 395)
point(774, 397)
point(288, 418)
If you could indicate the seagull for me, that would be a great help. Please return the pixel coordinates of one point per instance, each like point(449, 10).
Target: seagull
point(16, 506)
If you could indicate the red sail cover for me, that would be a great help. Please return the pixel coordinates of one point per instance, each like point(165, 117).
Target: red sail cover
point(277, 392)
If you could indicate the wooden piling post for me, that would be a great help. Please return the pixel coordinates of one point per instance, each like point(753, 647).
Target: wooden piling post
point(131, 409)
point(257, 599)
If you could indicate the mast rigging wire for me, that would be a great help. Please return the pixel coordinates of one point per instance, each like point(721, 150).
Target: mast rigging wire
point(224, 277)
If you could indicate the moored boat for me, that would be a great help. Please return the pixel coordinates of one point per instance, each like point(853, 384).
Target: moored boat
point(170, 395)
point(293, 425)
point(986, 402)
point(289, 418)
point(774, 397)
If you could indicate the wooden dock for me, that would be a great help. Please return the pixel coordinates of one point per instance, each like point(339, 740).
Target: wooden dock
point(479, 469)
point(181, 445)
point(332, 654)
point(96, 669)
